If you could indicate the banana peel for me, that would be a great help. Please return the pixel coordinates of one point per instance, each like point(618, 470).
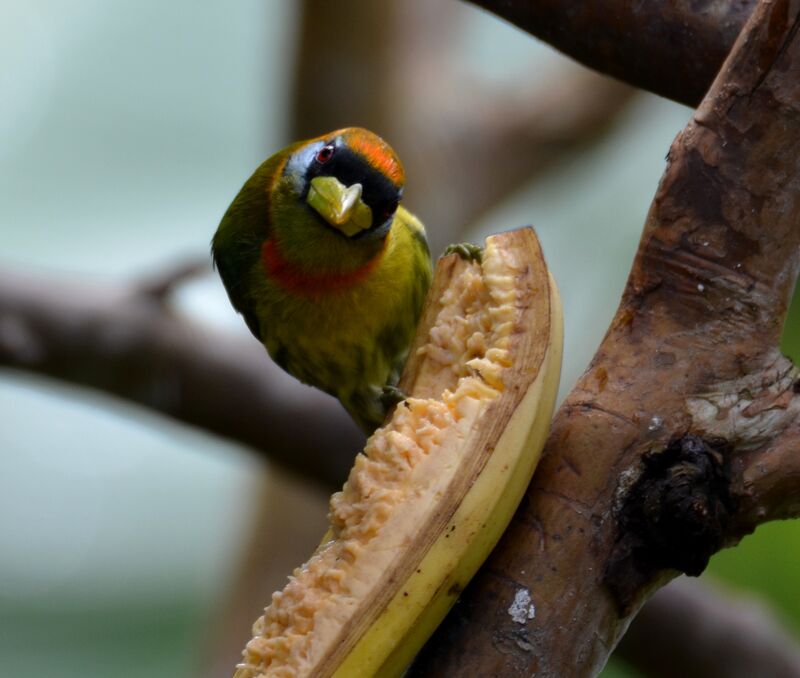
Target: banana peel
point(437, 485)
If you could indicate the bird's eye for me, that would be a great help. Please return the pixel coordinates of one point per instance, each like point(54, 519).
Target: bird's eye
point(390, 209)
point(324, 154)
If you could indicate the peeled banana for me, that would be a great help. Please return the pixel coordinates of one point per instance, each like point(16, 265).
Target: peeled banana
point(437, 485)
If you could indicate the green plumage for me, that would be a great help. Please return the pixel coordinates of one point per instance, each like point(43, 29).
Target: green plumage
point(336, 311)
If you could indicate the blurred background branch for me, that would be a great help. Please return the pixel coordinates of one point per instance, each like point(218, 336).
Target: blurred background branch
point(393, 67)
point(467, 142)
point(694, 630)
point(672, 48)
point(127, 340)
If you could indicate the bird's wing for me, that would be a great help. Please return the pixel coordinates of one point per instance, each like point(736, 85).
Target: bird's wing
point(233, 277)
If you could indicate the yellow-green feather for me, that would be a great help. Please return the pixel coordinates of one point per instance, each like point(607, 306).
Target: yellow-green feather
point(352, 342)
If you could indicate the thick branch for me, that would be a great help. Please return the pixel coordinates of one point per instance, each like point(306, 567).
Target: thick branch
point(770, 480)
point(671, 47)
point(624, 495)
point(126, 341)
point(49, 330)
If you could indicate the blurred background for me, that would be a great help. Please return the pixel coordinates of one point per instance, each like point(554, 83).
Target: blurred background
point(125, 131)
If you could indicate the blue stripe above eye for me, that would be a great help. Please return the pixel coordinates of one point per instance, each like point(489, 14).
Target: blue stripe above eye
point(298, 163)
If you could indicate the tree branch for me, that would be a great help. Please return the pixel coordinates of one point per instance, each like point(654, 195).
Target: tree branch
point(691, 630)
point(671, 47)
point(770, 479)
point(125, 340)
point(146, 353)
point(654, 457)
point(37, 315)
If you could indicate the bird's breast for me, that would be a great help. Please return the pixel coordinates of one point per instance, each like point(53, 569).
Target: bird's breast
point(298, 281)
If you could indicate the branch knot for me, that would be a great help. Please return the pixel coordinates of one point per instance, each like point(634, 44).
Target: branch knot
point(675, 517)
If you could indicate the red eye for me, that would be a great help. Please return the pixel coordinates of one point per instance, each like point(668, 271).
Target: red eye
point(324, 154)
point(390, 209)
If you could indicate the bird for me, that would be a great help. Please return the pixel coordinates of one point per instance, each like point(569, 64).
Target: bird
point(327, 268)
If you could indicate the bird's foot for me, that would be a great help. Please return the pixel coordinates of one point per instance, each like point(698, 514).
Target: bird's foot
point(465, 250)
point(391, 395)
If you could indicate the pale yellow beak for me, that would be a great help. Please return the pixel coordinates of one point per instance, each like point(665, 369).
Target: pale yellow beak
point(341, 206)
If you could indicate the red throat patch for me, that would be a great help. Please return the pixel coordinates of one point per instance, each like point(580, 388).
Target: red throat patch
point(314, 285)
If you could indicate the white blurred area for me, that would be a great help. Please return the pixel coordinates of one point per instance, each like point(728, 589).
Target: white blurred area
point(125, 131)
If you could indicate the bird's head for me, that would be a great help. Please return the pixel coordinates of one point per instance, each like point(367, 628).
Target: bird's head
point(324, 204)
point(351, 181)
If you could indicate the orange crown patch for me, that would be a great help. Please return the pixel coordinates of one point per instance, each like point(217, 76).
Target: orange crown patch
point(376, 151)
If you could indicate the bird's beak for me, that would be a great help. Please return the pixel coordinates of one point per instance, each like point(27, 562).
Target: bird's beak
point(341, 206)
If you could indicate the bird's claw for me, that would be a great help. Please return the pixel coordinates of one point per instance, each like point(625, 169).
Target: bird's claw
point(465, 250)
point(391, 395)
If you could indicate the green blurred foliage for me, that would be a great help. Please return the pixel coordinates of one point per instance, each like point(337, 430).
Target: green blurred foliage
point(790, 340)
point(156, 640)
point(767, 563)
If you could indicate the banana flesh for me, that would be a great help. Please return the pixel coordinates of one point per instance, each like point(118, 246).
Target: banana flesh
point(437, 484)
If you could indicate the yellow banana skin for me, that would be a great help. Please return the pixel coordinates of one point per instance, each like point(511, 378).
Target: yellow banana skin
point(439, 548)
point(472, 532)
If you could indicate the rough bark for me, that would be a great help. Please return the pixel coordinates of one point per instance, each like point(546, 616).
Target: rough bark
point(52, 327)
point(671, 47)
point(687, 404)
